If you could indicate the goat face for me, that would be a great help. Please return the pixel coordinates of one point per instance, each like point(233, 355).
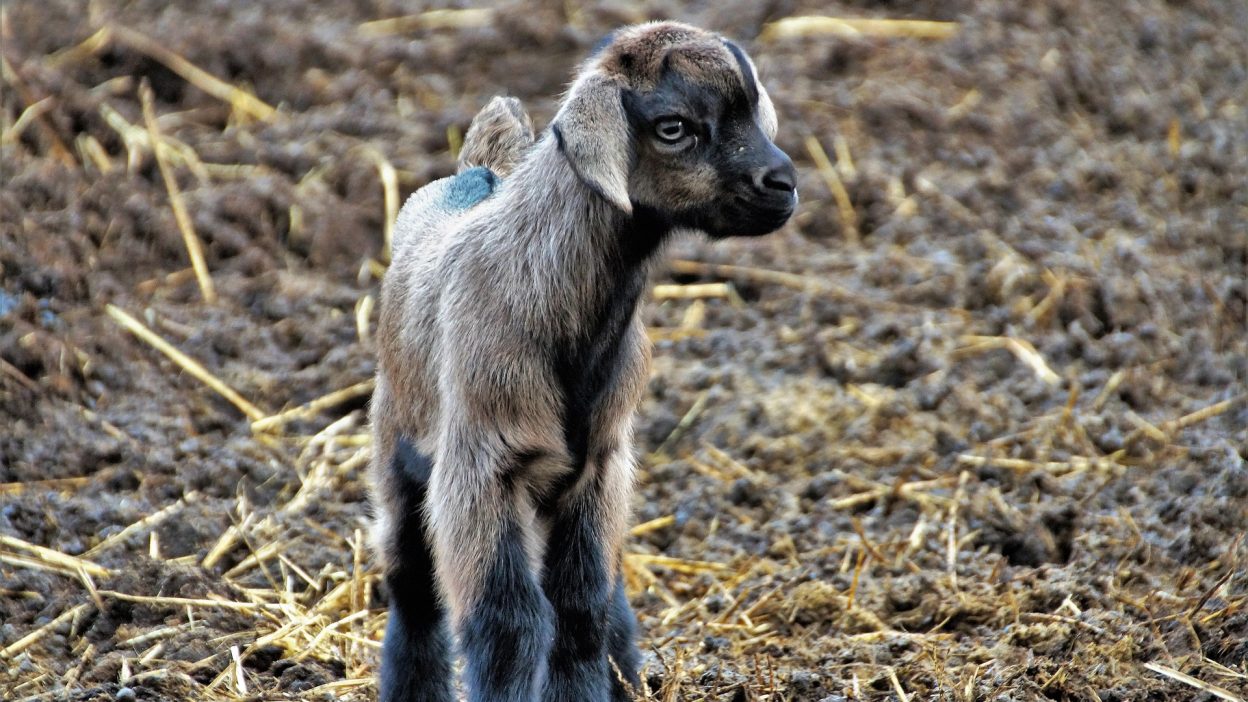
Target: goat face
point(672, 120)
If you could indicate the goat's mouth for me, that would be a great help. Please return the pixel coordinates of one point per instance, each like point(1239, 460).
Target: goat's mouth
point(737, 214)
point(745, 216)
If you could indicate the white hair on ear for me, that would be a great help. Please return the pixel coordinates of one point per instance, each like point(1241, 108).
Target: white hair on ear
point(766, 112)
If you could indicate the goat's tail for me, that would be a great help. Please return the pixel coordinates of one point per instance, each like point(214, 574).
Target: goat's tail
point(498, 137)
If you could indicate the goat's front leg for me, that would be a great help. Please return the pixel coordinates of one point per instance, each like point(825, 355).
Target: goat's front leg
point(486, 550)
point(580, 580)
point(622, 646)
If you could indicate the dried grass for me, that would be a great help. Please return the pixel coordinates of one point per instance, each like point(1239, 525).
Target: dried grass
point(431, 19)
point(751, 602)
point(818, 26)
point(194, 249)
point(188, 364)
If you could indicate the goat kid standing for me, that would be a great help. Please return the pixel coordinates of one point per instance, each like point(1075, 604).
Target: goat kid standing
point(512, 359)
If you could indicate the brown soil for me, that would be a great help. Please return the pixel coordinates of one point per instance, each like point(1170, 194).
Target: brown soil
point(956, 455)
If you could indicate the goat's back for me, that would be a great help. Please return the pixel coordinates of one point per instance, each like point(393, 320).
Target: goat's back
point(411, 295)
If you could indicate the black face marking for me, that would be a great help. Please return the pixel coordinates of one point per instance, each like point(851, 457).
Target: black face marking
point(750, 83)
point(746, 166)
point(674, 97)
point(507, 634)
point(416, 634)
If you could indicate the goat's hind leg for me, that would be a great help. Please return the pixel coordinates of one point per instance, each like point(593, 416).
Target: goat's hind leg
point(416, 655)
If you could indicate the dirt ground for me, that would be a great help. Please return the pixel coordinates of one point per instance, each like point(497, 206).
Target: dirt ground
point(972, 427)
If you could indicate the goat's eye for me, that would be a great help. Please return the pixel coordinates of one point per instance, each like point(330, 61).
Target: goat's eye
point(672, 130)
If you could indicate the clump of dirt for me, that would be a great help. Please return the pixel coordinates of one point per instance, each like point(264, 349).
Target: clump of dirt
point(981, 435)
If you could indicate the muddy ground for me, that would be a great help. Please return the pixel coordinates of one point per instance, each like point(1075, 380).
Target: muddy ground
point(986, 440)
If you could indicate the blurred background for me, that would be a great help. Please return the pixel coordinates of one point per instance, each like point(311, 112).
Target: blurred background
point(971, 427)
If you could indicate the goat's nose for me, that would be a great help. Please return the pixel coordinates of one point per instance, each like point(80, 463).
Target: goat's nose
point(777, 175)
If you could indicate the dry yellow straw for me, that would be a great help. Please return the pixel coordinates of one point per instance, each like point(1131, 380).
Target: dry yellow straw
point(20, 487)
point(14, 559)
point(692, 291)
point(55, 557)
point(679, 565)
point(339, 686)
point(193, 248)
point(187, 363)
point(653, 525)
point(191, 602)
point(28, 117)
point(1072, 465)
point(56, 144)
point(807, 284)
point(1197, 683)
point(1204, 413)
point(314, 407)
point(1021, 348)
point(363, 311)
point(30, 639)
point(151, 520)
point(844, 206)
point(901, 692)
point(432, 19)
point(390, 200)
point(239, 99)
point(819, 26)
point(88, 47)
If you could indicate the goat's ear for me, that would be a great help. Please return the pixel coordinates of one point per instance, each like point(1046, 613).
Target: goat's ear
point(594, 134)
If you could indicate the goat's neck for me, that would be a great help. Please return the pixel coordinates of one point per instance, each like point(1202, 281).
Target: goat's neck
point(584, 251)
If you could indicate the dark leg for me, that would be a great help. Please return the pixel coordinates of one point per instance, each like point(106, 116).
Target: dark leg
point(578, 586)
point(622, 646)
point(506, 634)
point(416, 655)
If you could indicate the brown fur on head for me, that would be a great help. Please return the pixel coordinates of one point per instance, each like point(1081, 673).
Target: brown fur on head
point(672, 118)
point(497, 137)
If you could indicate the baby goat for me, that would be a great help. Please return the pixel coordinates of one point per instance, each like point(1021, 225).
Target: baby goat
point(512, 359)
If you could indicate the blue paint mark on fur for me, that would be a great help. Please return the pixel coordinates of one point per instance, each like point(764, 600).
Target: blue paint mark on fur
point(470, 187)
